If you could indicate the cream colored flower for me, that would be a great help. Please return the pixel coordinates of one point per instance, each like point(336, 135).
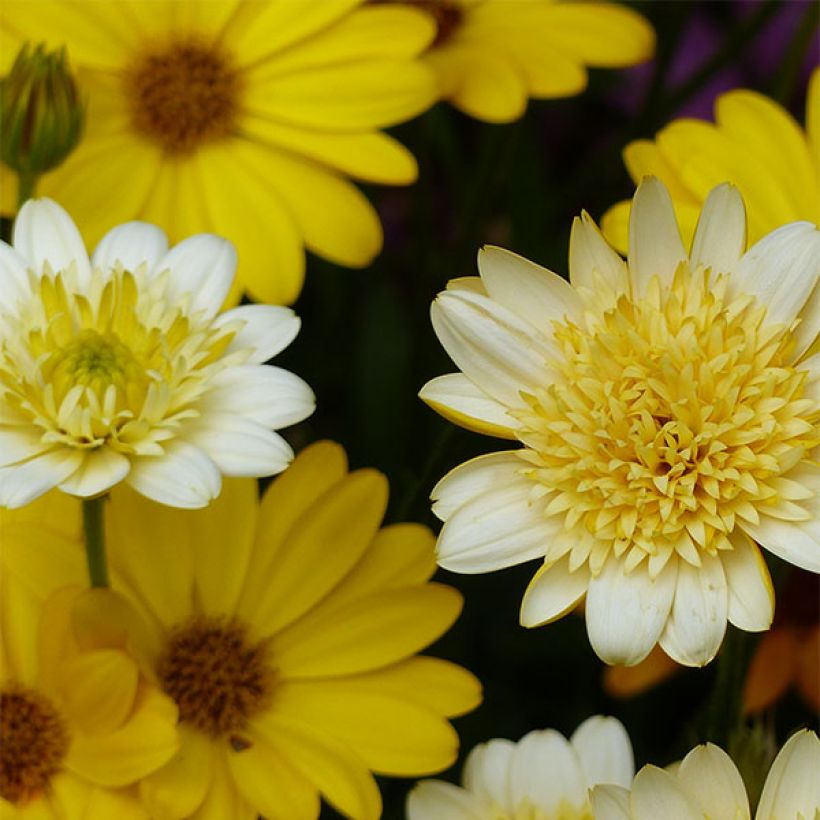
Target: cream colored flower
point(668, 411)
point(707, 784)
point(542, 776)
point(121, 367)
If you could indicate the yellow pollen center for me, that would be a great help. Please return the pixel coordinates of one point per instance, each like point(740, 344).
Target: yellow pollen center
point(33, 744)
point(183, 96)
point(672, 416)
point(218, 678)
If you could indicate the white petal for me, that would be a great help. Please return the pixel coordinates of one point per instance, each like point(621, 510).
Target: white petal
point(655, 246)
point(589, 253)
point(20, 443)
point(268, 395)
point(460, 401)
point(751, 595)
point(792, 788)
point(806, 332)
point(797, 542)
point(781, 270)
point(13, 278)
point(202, 267)
point(183, 477)
point(100, 470)
point(720, 237)
point(267, 329)
point(605, 751)
point(131, 245)
point(436, 800)
point(534, 293)
point(708, 774)
point(545, 771)
point(487, 771)
point(501, 353)
point(44, 232)
point(475, 477)
point(22, 483)
point(697, 621)
point(240, 447)
point(610, 803)
point(627, 613)
point(657, 794)
point(553, 592)
point(497, 529)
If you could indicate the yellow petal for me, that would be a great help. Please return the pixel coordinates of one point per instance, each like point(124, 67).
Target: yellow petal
point(813, 124)
point(366, 634)
point(223, 800)
point(643, 159)
point(615, 225)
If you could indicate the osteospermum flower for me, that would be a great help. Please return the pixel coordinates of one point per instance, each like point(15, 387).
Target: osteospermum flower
point(707, 784)
point(287, 633)
point(121, 368)
point(668, 413)
point(241, 118)
point(754, 143)
point(79, 722)
point(541, 776)
point(490, 56)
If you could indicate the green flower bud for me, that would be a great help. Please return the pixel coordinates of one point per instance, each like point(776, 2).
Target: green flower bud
point(41, 116)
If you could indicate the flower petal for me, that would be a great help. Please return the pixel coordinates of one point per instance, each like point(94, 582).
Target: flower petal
point(437, 800)
point(487, 771)
point(792, 787)
point(797, 542)
point(708, 774)
point(591, 254)
point(100, 470)
point(610, 803)
point(131, 245)
point(266, 330)
point(720, 237)
point(751, 595)
point(656, 793)
point(553, 592)
point(605, 751)
point(22, 483)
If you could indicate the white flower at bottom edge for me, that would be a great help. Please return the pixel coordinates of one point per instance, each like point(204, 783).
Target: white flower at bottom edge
point(121, 367)
point(542, 777)
point(707, 784)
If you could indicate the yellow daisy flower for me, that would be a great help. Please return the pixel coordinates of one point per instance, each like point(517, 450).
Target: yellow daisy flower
point(754, 143)
point(668, 409)
point(707, 784)
point(240, 117)
point(79, 722)
point(544, 775)
point(287, 633)
point(120, 367)
point(490, 56)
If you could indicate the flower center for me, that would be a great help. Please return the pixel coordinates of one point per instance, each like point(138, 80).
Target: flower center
point(676, 415)
point(33, 744)
point(183, 96)
point(218, 678)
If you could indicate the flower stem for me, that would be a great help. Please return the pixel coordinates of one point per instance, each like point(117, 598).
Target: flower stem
point(26, 184)
point(725, 713)
point(93, 514)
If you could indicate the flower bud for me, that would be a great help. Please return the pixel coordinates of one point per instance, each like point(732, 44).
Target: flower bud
point(41, 116)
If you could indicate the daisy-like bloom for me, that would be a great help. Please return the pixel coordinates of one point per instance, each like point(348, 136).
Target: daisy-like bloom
point(242, 118)
point(491, 56)
point(287, 633)
point(707, 784)
point(754, 143)
point(668, 412)
point(542, 776)
point(121, 367)
point(79, 721)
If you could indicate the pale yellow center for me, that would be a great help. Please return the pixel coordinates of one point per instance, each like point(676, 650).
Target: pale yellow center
point(674, 416)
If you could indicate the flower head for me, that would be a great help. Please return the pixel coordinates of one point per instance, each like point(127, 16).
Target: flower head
point(754, 143)
point(241, 118)
point(286, 632)
point(121, 367)
point(667, 409)
point(707, 784)
point(490, 56)
point(542, 776)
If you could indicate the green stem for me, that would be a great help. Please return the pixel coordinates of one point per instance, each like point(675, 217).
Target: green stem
point(725, 714)
point(93, 514)
point(26, 185)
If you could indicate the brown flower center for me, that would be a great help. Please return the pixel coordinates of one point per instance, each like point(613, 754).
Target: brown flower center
point(183, 96)
point(218, 678)
point(33, 743)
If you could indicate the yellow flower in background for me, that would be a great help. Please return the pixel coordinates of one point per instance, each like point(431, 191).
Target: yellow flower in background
point(668, 410)
point(287, 633)
point(244, 118)
point(79, 721)
point(491, 56)
point(120, 367)
point(707, 784)
point(754, 143)
point(543, 775)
